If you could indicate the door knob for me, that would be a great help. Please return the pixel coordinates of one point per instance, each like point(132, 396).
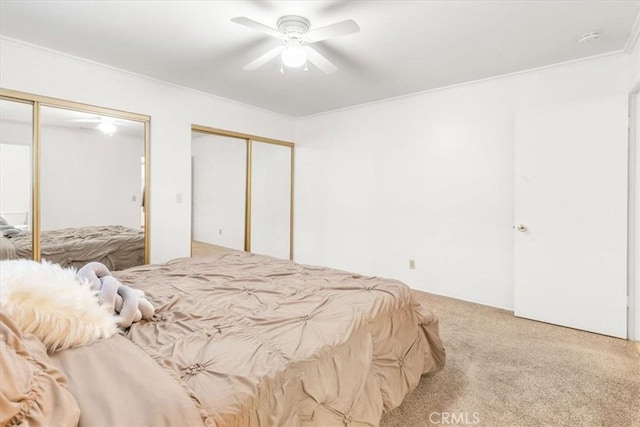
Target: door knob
point(522, 228)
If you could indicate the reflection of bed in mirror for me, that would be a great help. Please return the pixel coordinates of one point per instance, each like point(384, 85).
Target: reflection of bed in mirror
point(115, 246)
point(7, 250)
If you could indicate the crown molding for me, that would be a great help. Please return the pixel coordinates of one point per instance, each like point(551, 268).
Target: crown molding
point(633, 37)
point(473, 82)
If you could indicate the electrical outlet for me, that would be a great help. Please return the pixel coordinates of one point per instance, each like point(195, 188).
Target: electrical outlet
point(412, 264)
point(134, 198)
point(178, 197)
point(220, 231)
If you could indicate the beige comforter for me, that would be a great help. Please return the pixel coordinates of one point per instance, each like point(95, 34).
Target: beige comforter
point(257, 341)
point(7, 250)
point(115, 246)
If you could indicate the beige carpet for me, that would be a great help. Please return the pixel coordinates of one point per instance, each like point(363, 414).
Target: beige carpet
point(516, 372)
point(201, 248)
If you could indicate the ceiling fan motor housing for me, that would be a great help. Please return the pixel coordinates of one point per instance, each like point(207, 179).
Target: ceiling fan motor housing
point(293, 30)
point(293, 26)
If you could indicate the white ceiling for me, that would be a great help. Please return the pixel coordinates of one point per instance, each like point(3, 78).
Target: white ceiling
point(403, 46)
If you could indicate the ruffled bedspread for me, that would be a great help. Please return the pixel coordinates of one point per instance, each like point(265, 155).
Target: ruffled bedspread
point(255, 340)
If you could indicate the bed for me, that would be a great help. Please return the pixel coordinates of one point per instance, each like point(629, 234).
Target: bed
point(115, 246)
point(7, 250)
point(239, 339)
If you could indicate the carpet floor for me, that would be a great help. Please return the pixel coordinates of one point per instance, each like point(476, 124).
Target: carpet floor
point(505, 371)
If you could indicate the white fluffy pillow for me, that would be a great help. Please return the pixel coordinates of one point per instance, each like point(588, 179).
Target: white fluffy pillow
point(51, 303)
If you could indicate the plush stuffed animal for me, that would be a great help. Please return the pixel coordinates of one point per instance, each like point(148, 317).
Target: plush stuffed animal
point(130, 304)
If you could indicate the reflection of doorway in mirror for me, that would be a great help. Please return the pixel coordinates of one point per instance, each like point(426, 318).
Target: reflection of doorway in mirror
point(15, 165)
point(15, 187)
point(142, 206)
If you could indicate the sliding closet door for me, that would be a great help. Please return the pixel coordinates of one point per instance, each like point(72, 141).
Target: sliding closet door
point(271, 199)
point(219, 166)
point(571, 215)
point(91, 170)
point(16, 138)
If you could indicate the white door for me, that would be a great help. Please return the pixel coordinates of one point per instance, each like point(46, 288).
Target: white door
point(571, 199)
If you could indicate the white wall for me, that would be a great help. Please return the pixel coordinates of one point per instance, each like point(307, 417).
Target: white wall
point(172, 110)
point(636, 224)
point(89, 178)
point(634, 196)
point(633, 243)
point(429, 177)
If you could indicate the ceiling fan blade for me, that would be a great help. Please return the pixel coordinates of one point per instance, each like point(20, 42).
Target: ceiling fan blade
point(334, 30)
point(319, 61)
point(260, 61)
point(254, 25)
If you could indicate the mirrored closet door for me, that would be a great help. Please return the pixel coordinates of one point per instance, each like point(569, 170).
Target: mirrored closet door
point(75, 179)
point(91, 184)
point(16, 183)
point(218, 192)
point(242, 188)
point(271, 199)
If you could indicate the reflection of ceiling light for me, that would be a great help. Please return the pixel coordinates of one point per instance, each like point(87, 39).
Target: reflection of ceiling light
point(107, 126)
point(294, 55)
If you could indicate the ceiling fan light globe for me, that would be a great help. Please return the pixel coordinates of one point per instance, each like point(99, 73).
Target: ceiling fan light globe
point(107, 127)
point(294, 56)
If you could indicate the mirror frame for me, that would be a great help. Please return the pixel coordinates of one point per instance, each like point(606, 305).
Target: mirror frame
point(37, 101)
point(247, 207)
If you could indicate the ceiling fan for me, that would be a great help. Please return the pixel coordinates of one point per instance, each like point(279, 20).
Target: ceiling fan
point(294, 31)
